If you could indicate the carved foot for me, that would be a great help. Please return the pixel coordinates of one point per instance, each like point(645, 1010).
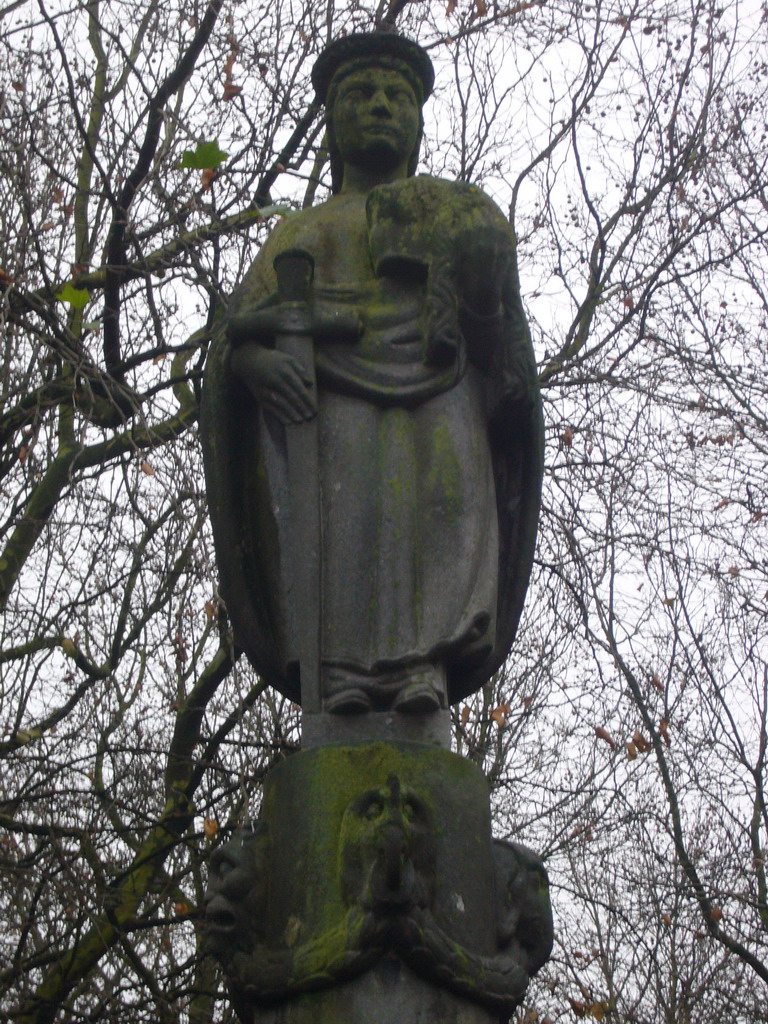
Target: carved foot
point(418, 698)
point(348, 702)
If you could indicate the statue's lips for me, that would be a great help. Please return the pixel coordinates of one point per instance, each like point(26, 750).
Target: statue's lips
point(220, 916)
point(381, 129)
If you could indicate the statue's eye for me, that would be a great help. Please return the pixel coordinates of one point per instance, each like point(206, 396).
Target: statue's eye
point(222, 863)
point(358, 92)
point(374, 809)
point(411, 810)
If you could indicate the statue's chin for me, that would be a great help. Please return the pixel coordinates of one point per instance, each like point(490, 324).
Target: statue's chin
point(380, 154)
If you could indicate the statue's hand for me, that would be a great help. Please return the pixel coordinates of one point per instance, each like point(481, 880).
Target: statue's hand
point(259, 325)
point(484, 263)
point(277, 381)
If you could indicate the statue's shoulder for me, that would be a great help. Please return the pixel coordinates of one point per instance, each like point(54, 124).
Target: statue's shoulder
point(260, 282)
point(445, 190)
point(308, 229)
point(428, 200)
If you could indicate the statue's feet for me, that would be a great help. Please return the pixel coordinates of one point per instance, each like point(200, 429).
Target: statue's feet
point(348, 702)
point(418, 690)
point(419, 697)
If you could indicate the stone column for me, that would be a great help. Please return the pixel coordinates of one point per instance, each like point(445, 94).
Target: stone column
point(370, 891)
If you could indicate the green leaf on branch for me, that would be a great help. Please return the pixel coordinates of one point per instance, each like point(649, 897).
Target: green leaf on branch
point(206, 157)
point(25, 736)
point(75, 297)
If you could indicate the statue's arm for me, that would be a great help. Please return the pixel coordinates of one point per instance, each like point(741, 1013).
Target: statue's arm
point(492, 318)
point(276, 380)
point(253, 307)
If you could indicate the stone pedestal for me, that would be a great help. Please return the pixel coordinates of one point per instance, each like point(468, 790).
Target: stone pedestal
point(390, 993)
point(371, 892)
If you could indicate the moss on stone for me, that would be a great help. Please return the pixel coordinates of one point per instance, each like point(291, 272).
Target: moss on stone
point(311, 791)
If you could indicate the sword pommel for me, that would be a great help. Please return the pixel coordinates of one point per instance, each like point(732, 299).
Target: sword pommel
point(295, 269)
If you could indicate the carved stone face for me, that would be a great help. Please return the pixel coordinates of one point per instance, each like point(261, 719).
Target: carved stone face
point(376, 119)
point(388, 839)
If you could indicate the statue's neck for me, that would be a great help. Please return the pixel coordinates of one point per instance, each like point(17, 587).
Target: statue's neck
point(363, 179)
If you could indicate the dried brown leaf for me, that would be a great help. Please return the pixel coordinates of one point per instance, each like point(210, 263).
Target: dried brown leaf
point(603, 734)
point(640, 742)
point(499, 715)
point(230, 91)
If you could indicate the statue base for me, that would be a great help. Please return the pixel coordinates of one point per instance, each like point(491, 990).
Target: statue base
point(370, 891)
point(321, 730)
point(390, 993)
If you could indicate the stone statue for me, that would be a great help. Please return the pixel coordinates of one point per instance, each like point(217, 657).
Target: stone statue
point(373, 451)
point(372, 419)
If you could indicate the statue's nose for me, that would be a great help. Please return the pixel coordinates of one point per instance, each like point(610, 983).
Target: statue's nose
point(395, 852)
point(380, 103)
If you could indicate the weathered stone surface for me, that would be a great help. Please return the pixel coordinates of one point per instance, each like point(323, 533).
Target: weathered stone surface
point(421, 412)
point(373, 862)
point(389, 994)
point(373, 448)
point(432, 729)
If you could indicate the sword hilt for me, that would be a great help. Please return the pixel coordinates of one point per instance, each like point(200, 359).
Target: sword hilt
point(295, 269)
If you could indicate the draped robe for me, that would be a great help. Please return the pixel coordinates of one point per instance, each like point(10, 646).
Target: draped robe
point(429, 471)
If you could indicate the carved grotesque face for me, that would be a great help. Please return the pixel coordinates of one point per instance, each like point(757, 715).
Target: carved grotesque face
point(375, 118)
point(388, 839)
